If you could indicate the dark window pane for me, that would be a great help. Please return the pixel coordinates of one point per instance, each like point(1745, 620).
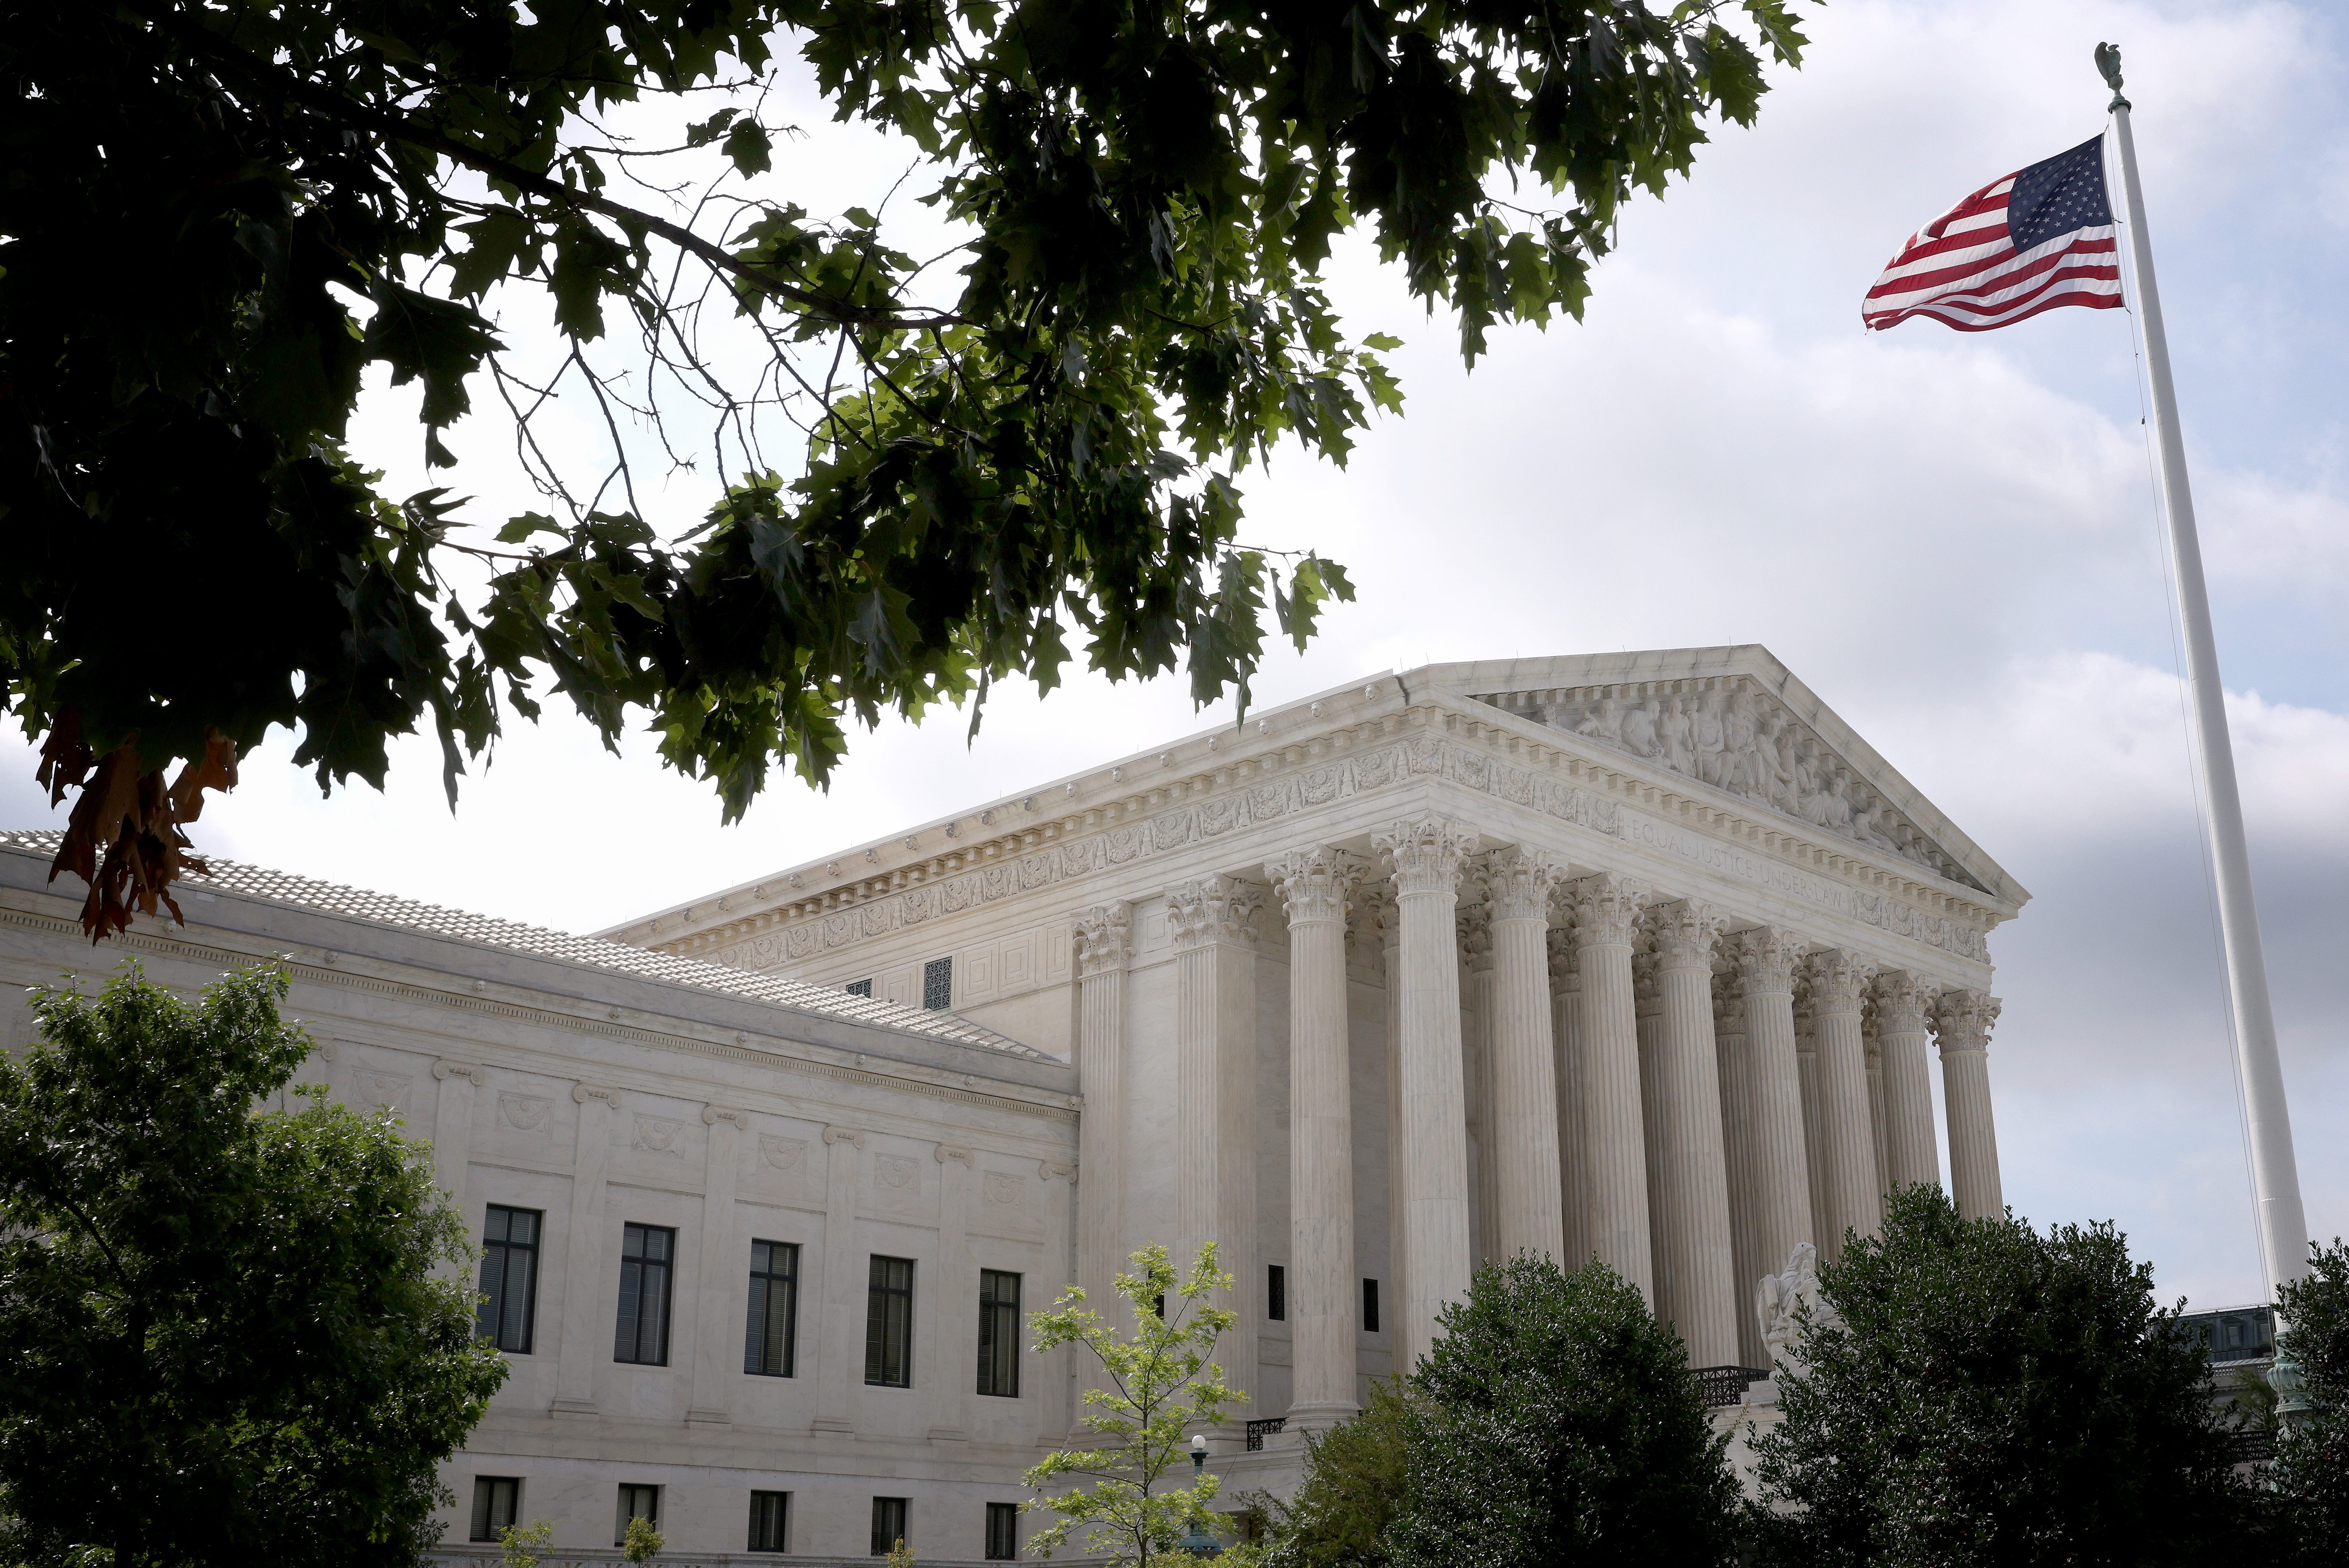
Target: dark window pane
point(770, 1518)
point(1275, 1293)
point(495, 1501)
point(1002, 1532)
point(1370, 1307)
point(889, 1324)
point(888, 1525)
point(636, 1502)
point(998, 1333)
point(938, 985)
point(859, 988)
point(640, 1330)
point(509, 1278)
point(770, 1326)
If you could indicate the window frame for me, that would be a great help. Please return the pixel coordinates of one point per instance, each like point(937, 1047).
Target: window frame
point(1275, 1293)
point(1006, 1514)
point(485, 1524)
point(758, 1311)
point(503, 1249)
point(782, 1531)
point(1370, 1318)
point(860, 987)
point(882, 1317)
point(624, 1511)
point(901, 1531)
point(666, 1266)
point(998, 1361)
point(938, 985)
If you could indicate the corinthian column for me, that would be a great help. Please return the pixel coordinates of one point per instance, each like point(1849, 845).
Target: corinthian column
point(1697, 1290)
point(1101, 956)
point(1774, 1096)
point(1312, 885)
point(1615, 1163)
point(1962, 1020)
point(1473, 926)
point(1524, 1077)
point(1566, 1024)
point(1740, 1156)
point(1807, 1067)
point(1854, 1198)
point(1427, 857)
point(1212, 922)
point(1379, 909)
point(1911, 1154)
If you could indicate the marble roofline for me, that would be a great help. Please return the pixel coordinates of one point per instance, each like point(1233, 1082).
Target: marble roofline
point(1496, 771)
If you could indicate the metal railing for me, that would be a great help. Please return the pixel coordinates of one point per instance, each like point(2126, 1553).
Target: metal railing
point(1726, 1385)
point(1259, 1430)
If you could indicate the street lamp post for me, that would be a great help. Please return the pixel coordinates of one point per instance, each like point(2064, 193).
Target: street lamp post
point(1196, 1541)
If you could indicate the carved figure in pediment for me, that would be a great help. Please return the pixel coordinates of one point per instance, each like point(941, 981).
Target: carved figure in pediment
point(1737, 744)
point(1868, 822)
point(1640, 730)
point(1678, 736)
point(1606, 723)
point(1773, 778)
point(1838, 808)
point(1711, 763)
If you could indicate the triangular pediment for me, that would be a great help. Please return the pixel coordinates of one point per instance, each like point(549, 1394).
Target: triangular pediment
point(1736, 720)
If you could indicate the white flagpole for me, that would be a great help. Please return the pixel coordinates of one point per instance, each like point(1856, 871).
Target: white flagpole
point(2275, 1175)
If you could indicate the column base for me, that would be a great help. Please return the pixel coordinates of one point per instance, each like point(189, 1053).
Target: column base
point(1319, 1417)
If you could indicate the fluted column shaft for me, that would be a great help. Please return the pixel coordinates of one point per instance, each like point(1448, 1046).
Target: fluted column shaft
point(1615, 1168)
point(1312, 886)
point(1697, 1292)
point(1524, 1074)
point(1102, 952)
point(1213, 924)
point(1782, 1189)
point(1427, 857)
point(1565, 1002)
point(1962, 1022)
point(1911, 1153)
point(1476, 948)
point(1390, 924)
point(1806, 1062)
point(1740, 1156)
point(1854, 1198)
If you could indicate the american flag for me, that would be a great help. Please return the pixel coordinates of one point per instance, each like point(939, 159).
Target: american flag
point(2039, 238)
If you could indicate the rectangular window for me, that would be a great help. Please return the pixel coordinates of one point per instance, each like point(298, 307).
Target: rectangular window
point(998, 1333)
point(1002, 1532)
point(1370, 1307)
point(770, 1337)
point(770, 1517)
point(889, 1324)
point(636, 1502)
point(509, 1278)
point(938, 985)
point(859, 988)
point(888, 1525)
point(646, 1252)
point(497, 1500)
point(1275, 1293)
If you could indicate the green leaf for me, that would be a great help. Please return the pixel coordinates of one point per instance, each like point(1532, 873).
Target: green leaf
point(747, 145)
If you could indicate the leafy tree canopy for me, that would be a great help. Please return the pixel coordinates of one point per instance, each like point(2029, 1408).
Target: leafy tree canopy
point(1352, 1488)
point(217, 218)
point(1557, 1422)
point(1994, 1395)
point(2310, 1469)
point(223, 1339)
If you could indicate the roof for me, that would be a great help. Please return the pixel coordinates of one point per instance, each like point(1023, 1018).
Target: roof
point(385, 909)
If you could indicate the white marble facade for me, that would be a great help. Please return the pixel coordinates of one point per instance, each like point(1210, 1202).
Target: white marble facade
point(1641, 956)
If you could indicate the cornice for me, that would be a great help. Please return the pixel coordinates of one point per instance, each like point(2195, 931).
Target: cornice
point(1461, 741)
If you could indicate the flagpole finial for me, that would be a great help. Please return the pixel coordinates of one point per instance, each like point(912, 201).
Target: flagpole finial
point(2108, 63)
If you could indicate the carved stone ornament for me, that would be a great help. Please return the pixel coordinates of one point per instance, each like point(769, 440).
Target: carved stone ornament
point(1518, 882)
point(1606, 911)
point(893, 1170)
point(382, 1089)
point(583, 1092)
point(658, 1134)
point(1683, 931)
point(711, 1115)
point(478, 1077)
point(1473, 929)
point(1213, 908)
point(1005, 1189)
point(1647, 991)
point(1427, 855)
point(844, 1135)
point(1787, 1305)
point(1055, 1169)
point(1565, 959)
point(1962, 1020)
point(946, 1152)
point(1902, 1002)
point(1101, 939)
point(1745, 743)
point(1728, 1006)
point(782, 1153)
point(1765, 957)
point(523, 1112)
point(1838, 980)
point(1311, 884)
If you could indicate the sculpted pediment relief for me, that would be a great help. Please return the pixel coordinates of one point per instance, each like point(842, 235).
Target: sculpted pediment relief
point(1727, 732)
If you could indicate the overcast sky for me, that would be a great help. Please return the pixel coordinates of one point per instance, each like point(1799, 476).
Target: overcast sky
point(1951, 538)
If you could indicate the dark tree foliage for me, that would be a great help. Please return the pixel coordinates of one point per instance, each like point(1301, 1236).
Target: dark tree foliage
point(222, 1336)
point(1353, 1485)
point(1994, 1395)
point(1557, 1423)
point(2310, 1469)
point(217, 216)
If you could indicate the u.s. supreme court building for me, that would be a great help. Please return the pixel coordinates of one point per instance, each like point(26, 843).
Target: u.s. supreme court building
point(1643, 956)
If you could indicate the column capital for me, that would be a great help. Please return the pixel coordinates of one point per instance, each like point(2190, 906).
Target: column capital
point(1838, 979)
point(711, 1115)
point(1606, 910)
point(1311, 884)
point(1518, 882)
point(1683, 931)
point(1962, 1020)
point(1647, 986)
point(1764, 956)
point(478, 1077)
point(1902, 1002)
point(1428, 854)
point(1211, 910)
point(1728, 1004)
point(1101, 937)
point(1474, 922)
point(1564, 961)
